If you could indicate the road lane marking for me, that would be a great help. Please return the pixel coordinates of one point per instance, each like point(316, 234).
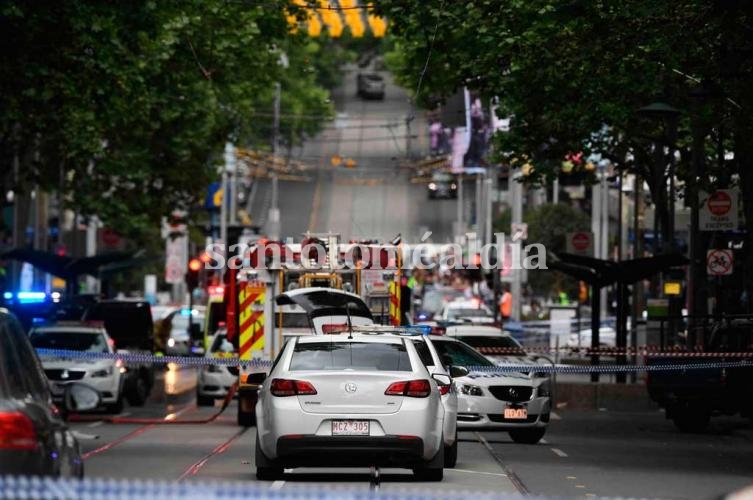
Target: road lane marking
point(277, 485)
point(559, 452)
point(554, 416)
point(514, 479)
point(96, 424)
point(136, 432)
point(543, 441)
point(193, 469)
point(476, 472)
point(580, 485)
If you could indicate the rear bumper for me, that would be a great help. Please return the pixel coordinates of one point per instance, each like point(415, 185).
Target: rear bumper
point(349, 451)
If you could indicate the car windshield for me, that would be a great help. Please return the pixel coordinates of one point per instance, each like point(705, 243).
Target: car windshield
point(459, 354)
point(361, 356)
point(180, 322)
point(72, 341)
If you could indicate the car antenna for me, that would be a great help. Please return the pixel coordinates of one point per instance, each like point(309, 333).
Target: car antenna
point(350, 323)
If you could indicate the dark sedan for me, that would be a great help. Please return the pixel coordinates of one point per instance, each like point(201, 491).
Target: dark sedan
point(34, 438)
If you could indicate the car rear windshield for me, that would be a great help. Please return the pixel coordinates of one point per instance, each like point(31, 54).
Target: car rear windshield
point(362, 356)
point(72, 341)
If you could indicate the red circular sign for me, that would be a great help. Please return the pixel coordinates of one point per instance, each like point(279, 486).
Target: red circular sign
point(581, 241)
point(719, 203)
point(110, 238)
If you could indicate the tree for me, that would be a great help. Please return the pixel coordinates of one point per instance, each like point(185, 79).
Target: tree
point(548, 225)
point(125, 107)
point(573, 75)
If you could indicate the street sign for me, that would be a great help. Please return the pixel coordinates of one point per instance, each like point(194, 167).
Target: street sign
point(519, 231)
point(718, 210)
point(719, 262)
point(580, 243)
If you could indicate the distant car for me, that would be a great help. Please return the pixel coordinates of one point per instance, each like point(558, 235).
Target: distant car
point(607, 338)
point(512, 402)
point(178, 337)
point(433, 300)
point(442, 185)
point(350, 400)
point(107, 376)
point(466, 311)
point(215, 380)
point(34, 438)
point(370, 86)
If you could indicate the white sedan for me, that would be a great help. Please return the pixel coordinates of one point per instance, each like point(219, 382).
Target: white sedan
point(465, 311)
point(350, 400)
point(215, 380)
point(105, 375)
point(493, 400)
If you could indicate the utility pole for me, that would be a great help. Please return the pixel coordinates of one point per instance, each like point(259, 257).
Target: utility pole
point(460, 229)
point(273, 221)
point(516, 192)
point(229, 159)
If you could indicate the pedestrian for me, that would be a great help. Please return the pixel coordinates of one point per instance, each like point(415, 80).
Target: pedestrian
point(505, 303)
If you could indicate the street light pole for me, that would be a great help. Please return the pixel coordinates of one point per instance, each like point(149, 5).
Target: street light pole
point(273, 221)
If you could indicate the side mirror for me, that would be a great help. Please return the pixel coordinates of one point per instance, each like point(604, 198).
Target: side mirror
point(442, 379)
point(81, 397)
point(458, 371)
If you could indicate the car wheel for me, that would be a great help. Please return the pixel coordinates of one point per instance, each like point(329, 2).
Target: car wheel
point(266, 470)
point(204, 400)
point(432, 470)
point(691, 421)
point(138, 393)
point(528, 436)
point(451, 454)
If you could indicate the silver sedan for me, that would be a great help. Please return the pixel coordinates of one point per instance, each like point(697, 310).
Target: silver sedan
point(350, 401)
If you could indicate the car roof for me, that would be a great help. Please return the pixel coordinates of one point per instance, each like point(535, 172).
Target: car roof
point(345, 337)
point(465, 304)
point(475, 331)
point(69, 329)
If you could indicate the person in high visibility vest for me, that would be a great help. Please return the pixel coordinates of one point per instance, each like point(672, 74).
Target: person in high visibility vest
point(505, 304)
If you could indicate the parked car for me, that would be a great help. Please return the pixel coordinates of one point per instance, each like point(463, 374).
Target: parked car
point(107, 376)
point(433, 300)
point(34, 438)
point(370, 86)
point(512, 401)
point(215, 380)
point(129, 323)
point(350, 400)
point(174, 329)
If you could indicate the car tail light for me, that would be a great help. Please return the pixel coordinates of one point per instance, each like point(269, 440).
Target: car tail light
point(284, 387)
point(17, 432)
point(444, 389)
point(412, 389)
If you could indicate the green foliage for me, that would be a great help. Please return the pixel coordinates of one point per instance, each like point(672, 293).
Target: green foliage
point(548, 225)
point(133, 101)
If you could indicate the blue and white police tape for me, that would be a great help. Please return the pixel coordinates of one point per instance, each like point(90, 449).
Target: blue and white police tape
point(134, 357)
point(500, 368)
point(22, 487)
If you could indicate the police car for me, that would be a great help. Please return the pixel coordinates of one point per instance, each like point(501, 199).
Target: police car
point(107, 376)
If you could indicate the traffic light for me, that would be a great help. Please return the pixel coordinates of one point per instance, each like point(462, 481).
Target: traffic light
point(192, 275)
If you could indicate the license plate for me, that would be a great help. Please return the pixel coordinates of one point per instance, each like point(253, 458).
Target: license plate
point(350, 427)
point(516, 413)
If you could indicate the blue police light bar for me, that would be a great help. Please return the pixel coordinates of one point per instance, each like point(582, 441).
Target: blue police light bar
point(8, 295)
point(418, 329)
point(29, 297)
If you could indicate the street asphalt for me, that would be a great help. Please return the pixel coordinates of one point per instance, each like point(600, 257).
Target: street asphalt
point(584, 454)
